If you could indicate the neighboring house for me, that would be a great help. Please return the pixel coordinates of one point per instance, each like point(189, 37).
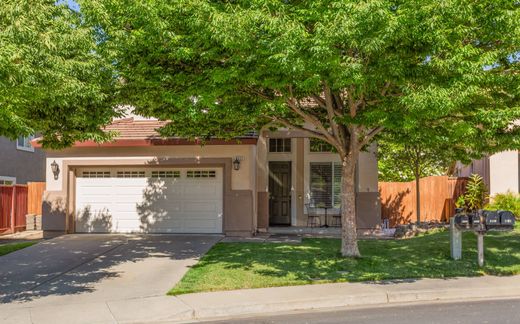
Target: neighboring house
point(144, 183)
point(500, 171)
point(20, 162)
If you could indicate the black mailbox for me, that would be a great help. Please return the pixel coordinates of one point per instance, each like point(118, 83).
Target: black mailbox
point(475, 220)
point(507, 218)
point(462, 221)
point(492, 219)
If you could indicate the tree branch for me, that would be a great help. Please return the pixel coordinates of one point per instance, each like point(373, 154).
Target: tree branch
point(370, 135)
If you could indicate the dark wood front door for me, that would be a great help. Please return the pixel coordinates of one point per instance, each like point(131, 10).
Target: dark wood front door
point(279, 193)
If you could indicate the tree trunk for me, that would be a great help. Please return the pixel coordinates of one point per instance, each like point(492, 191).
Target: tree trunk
point(418, 194)
point(349, 246)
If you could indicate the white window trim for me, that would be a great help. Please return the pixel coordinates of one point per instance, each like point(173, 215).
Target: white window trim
point(24, 148)
point(3, 178)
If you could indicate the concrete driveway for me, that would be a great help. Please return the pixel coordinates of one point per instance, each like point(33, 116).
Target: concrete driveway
point(83, 268)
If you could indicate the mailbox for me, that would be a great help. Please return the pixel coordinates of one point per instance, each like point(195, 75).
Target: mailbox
point(492, 219)
point(507, 218)
point(462, 221)
point(475, 220)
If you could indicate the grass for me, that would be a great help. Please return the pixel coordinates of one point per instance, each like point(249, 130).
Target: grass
point(254, 265)
point(8, 248)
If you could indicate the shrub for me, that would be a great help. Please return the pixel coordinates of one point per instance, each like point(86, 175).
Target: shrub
point(506, 201)
point(475, 195)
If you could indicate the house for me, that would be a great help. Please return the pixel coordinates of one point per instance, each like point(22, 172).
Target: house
point(500, 171)
point(20, 162)
point(143, 183)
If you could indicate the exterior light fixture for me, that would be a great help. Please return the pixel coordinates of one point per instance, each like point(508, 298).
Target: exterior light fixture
point(55, 169)
point(236, 163)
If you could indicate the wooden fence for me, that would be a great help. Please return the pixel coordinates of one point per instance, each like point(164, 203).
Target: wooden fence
point(35, 197)
point(13, 208)
point(16, 202)
point(438, 196)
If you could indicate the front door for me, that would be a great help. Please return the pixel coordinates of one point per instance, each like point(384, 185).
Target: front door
point(279, 193)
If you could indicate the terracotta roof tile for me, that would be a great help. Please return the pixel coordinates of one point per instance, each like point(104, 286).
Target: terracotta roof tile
point(136, 129)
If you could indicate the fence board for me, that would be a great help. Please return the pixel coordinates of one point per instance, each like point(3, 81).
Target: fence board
point(35, 197)
point(6, 199)
point(13, 208)
point(20, 207)
point(438, 196)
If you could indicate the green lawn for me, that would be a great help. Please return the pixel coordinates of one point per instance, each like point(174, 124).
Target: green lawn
point(8, 248)
point(254, 265)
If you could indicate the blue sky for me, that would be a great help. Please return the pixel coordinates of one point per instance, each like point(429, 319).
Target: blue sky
point(71, 3)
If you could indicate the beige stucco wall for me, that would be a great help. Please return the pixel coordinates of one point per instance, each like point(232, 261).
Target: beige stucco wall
point(243, 179)
point(239, 195)
point(500, 171)
point(301, 157)
point(504, 172)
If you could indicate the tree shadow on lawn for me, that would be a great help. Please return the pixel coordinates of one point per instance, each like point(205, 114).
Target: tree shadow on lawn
point(319, 261)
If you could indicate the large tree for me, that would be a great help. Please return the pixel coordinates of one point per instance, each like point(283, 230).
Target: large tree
point(340, 71)
point(52, 80)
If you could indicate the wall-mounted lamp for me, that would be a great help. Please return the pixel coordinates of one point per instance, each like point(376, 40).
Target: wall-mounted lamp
point(55, 169)
point(236, 162)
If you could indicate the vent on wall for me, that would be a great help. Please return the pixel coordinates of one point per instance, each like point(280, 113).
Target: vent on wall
point(96, 174)
point(201, 174)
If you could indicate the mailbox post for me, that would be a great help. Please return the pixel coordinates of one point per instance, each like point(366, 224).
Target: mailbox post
point(455, 240)
point(480, 223)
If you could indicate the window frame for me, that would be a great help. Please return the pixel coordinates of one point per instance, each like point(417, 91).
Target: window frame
point(4, 179)
point(333, 150)
point(335, 184)
point(286, 143)
point(26, 140)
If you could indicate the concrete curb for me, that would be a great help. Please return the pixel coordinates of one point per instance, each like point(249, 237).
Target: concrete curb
point(263, 301)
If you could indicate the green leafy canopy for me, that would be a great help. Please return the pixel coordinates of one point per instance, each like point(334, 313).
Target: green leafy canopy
point(395, 65)
point(52, 79)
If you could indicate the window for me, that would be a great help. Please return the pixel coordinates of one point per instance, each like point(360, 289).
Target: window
point(96, 174)
point(279, 145)
point(318, 146)
point(166, 174)
point(201, 174)
point(325, 184)
point(7, 181)
point(130, 174)
point(24, 143)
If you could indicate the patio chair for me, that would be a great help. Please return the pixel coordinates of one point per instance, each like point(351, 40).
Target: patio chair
point(313, 219)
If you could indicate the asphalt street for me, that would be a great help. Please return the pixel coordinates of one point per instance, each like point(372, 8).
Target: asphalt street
point(472, 312)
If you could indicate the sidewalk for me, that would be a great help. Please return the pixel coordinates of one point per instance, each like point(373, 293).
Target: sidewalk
point(212, 305)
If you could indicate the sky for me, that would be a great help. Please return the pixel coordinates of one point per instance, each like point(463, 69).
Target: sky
point(71, 3)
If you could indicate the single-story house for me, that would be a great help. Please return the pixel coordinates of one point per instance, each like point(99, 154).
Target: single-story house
point(143, 183)
point(500, 171)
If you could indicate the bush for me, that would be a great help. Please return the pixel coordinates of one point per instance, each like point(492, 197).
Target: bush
point(507, 201)
point(475, 195)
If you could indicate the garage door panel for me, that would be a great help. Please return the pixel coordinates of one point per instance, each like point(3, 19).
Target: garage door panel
point(200, 206)
point(200, 189)
point(167, 205)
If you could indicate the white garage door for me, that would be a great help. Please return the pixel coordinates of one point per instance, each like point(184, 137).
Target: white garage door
point(149, 200)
